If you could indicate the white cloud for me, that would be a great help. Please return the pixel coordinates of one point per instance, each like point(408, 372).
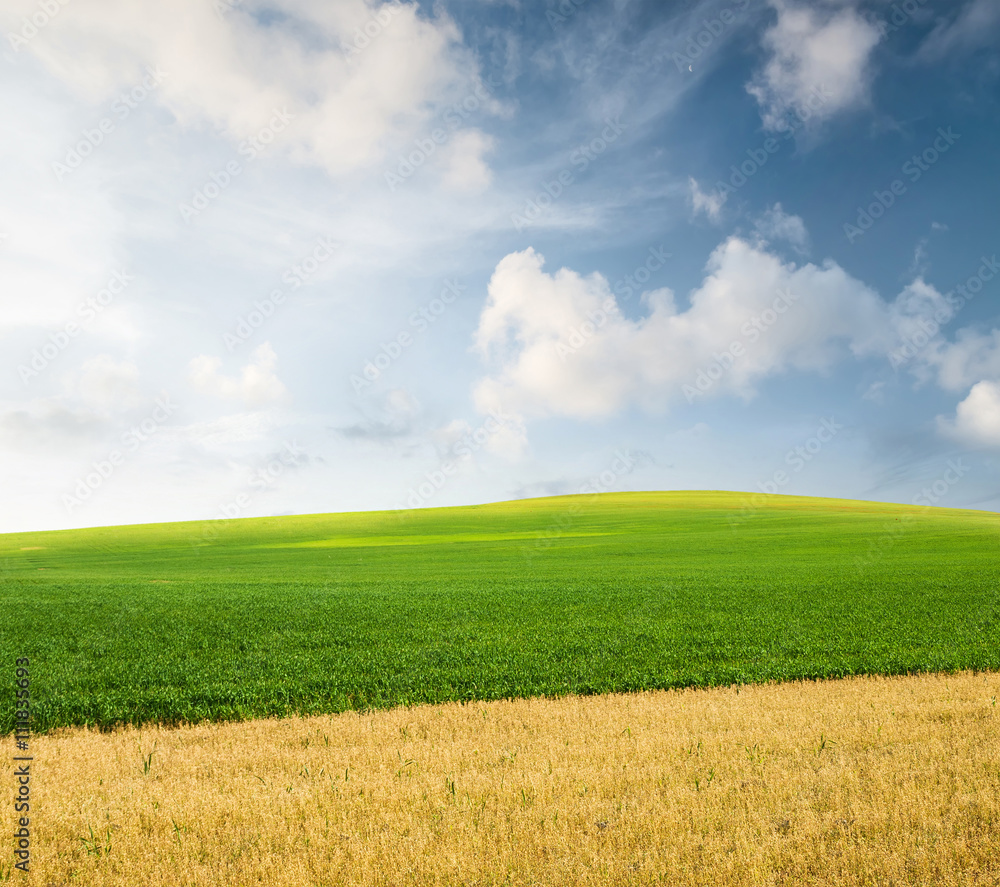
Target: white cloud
point(467, 169)
point(977, 418)
point(776, 224)
point(973, 356)
point(918, 302)
point(558, 344)
point(709, 204)
point(815, 52)
point(257, 384)
point(106, 384)
point(356, 78)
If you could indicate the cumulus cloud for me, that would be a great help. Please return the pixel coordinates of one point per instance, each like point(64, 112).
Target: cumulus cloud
point(352, 76)
point(814, 52)
point(973, 356)
point(558, 345)
point(919, 308)
point(256, 385)
point(977, 418)
point(970, 362)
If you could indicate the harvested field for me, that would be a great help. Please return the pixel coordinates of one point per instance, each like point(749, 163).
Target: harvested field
point(861, 781)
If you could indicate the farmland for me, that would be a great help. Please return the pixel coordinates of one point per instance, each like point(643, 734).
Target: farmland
point(844, 783)
point(319, 614)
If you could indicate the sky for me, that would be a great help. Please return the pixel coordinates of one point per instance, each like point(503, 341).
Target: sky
point(264, 257)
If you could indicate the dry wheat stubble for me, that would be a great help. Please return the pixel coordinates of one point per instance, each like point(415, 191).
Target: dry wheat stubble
point(855, 782)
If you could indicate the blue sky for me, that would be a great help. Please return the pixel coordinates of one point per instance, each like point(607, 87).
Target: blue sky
point(298, 256)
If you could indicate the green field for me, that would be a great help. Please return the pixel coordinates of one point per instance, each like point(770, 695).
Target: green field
point(578, 594)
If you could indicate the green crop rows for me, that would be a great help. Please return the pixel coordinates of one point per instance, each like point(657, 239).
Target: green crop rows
point(585, 594)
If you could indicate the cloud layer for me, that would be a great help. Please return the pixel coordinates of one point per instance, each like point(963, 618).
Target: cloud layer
point(352, 77)
point(560, 345)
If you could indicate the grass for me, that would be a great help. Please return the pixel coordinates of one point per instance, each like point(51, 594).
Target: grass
point(854, 783)
point(234, 620)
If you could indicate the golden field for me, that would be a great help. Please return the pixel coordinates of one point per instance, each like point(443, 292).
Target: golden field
point(866, 781)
